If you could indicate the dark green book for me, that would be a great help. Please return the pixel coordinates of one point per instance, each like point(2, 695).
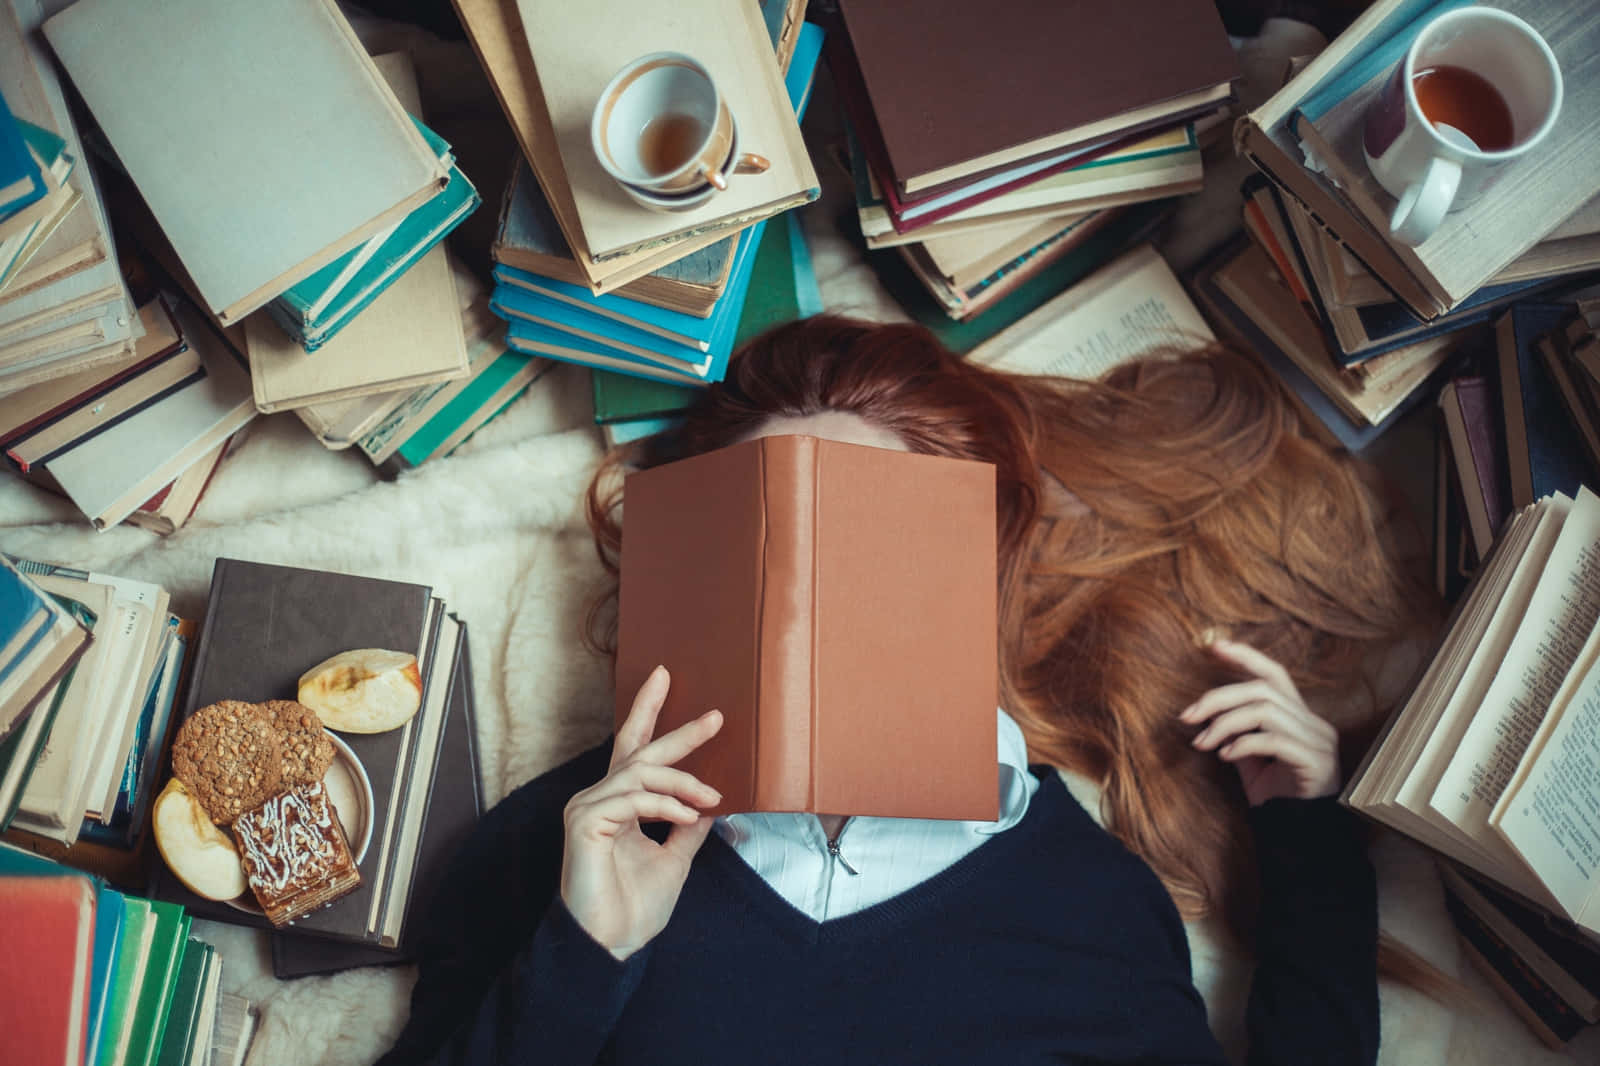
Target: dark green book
point(1131, 225)
point(188, 995)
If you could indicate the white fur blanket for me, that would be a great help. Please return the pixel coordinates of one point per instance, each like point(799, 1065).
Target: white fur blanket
point(498, 529)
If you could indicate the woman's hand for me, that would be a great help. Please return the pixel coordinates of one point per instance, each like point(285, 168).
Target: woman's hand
point(619, 884)
point(1266, 730)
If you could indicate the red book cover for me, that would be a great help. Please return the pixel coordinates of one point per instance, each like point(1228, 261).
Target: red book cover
point(44, 970)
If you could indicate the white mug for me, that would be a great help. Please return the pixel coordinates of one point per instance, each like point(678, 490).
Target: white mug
point(1478, 88)
point(662, 129)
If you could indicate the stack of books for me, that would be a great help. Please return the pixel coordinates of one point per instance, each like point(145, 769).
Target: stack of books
point(422, 775)
point(1539, 223)
point(1518, 424)
point(548, 62)
point(678, 324)
point(78, 774)
point(64, 308)
point(783, 288)
point(99, 976)
point(982, 182)
point(1491, 761)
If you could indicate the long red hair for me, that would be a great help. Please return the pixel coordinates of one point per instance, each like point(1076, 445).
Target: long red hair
point(1174, 496)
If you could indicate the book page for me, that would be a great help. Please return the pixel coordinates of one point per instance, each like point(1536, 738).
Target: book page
point(1417, 789)
point(1558, 620)
point(1551, 816)
point(1131, 307)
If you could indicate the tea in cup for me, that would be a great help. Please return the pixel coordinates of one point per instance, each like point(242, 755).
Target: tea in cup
point(664, 132)
point(1478, 88)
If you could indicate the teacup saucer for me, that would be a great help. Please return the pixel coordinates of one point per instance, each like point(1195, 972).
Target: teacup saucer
point(681, 201)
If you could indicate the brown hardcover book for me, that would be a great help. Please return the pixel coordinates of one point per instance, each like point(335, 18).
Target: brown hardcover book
point(958, 87)
point(837, 604)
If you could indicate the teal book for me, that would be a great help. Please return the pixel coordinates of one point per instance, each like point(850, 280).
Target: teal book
point(1378, 52)
point(314, 310)
point(127, 979)
point(21, 181)
point(160, 981)
point(498, 384)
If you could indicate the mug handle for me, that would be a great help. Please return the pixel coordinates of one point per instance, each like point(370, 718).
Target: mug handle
point(1424, 204)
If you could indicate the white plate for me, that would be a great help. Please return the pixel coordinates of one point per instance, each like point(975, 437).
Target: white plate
point(350, 792)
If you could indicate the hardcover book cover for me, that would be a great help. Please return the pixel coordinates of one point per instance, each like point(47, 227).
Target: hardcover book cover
point(837, 604)
point(265, 626)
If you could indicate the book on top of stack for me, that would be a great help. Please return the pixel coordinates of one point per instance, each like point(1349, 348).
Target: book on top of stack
point(1022, 168)
point(620, 332)
point(420, 772)
point(548, 62)
point(1538, 220)
point(64, 307)
point(253, 178)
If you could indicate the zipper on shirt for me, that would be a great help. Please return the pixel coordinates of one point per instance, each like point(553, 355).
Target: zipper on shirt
point(832, 849)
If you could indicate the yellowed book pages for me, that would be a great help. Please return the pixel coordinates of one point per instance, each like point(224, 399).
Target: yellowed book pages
point(1131, 307)
point(578, 47)
point(1547, 814)
point(410, 335)
point(961, 256)
point(1552, 630)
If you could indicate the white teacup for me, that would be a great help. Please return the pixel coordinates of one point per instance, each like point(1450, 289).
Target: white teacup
point(1478, 88)
point(663, 130)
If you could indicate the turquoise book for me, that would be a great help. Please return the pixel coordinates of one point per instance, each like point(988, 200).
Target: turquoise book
point(21, 180)
point(314, 310)
point(484, 397)
point(537, 338)
point(673, 326)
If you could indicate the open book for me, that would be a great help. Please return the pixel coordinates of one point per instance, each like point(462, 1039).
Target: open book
point(1495, 759)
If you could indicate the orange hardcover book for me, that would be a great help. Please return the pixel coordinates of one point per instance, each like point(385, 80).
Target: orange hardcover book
point(44, 971)
point(837, 604)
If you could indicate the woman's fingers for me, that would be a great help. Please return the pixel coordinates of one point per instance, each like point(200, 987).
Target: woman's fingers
point(1254, 662)
point(640, 725)
point(669, 748)
point(1227, 697)
point(614, 814)
point(650, 777)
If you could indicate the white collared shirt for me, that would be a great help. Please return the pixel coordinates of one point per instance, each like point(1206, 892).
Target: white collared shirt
point(874, 858)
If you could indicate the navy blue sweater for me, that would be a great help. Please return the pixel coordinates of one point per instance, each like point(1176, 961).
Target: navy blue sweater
point(1049, 943)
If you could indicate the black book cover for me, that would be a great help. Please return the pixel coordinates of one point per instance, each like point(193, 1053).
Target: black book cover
point(453, 810)
point(265, 625)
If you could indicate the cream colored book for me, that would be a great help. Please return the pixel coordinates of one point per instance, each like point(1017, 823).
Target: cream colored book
point(278, 146)
point(495, 29)
point(576, 49)
point(409, 336)
point(1491, 759)
point(965, 258)
point(1131, 307)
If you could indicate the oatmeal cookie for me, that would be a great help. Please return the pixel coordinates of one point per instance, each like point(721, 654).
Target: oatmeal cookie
point(230, 756)
point(307, 751)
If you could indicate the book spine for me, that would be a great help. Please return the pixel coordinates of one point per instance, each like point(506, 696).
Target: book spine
point(784, 684)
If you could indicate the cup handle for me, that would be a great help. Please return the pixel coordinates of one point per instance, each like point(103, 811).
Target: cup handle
point(750, 163)
point(1424, 204)
point(714, 176)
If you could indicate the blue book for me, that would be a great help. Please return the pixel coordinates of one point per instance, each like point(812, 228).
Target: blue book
point(316, 308)
point(537, 338)
point(675, 326)
point(21, 181)
point(512, 302)
point(1543, 447)
point(1381, 49)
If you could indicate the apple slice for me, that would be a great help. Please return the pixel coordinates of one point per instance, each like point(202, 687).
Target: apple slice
point(200, 854)
point(365, 690)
